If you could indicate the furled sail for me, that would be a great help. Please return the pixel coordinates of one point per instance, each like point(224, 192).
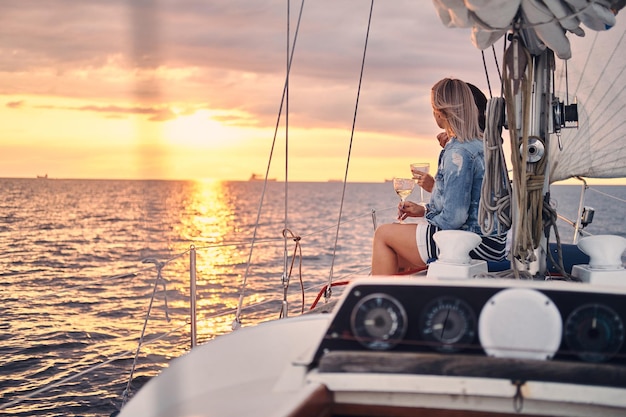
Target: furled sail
point(547, 21)
point(595, 72)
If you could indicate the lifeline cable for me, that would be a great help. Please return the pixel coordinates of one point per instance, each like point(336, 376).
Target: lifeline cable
point(159, 267)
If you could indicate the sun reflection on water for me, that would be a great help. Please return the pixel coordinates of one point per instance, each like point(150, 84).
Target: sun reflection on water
point(208, 214)
point(221, 252)
point(77, 288)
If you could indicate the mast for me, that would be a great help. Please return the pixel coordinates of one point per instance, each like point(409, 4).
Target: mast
point(529, 98)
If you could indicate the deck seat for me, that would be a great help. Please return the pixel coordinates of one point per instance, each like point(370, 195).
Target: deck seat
point(572, 255)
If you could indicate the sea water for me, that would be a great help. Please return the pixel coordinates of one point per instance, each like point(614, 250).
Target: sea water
point(84, 263)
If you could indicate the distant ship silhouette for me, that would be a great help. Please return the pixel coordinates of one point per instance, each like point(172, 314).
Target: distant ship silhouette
point(257, 177)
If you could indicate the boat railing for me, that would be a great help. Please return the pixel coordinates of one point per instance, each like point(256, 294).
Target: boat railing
point(585, 214)
point(157, 271)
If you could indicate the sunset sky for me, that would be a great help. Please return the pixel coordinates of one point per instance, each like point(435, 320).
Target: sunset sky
point(190, 89)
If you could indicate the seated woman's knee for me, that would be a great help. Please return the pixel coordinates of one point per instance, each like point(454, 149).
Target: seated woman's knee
point(381, 232)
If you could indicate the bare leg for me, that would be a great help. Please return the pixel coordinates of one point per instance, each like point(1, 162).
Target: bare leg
point(394, 246)
point(405, 266)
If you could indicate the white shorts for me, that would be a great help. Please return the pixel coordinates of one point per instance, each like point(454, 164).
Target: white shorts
point(425, 242)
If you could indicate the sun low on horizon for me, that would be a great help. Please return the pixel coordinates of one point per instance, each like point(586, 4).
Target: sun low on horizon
point(51, 136)
point(148, 90)
point(191, 145)
point(157, 92)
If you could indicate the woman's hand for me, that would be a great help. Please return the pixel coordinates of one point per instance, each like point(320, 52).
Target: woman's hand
point(410, 209)
point(426, 181)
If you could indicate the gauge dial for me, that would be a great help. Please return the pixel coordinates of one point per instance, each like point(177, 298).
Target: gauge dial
point(449, 322)
point(378, 321)
point(594, 332)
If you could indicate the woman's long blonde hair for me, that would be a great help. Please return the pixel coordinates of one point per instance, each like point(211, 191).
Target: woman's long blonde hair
point(453, 99)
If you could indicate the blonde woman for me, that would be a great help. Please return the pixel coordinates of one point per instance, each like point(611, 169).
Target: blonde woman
point(455, 193)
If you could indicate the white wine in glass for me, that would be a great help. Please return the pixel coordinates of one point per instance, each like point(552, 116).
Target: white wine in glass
point(403, 187)
point(417, 169)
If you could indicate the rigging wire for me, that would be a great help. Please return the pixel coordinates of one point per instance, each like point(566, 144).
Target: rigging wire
point(297, 252)
point(285, 276)
point(60, 292)
point(113, 279)
point(495, 59)
point(345, 178)
point(159, 267)
point(215, 315)
point(237, 321)
point(497, 64)
point(482, 53)
point(85, 371)
point(608, 195)
point(146, 342)
point(566, 83)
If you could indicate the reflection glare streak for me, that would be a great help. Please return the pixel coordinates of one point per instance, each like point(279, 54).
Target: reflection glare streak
point(75, 290)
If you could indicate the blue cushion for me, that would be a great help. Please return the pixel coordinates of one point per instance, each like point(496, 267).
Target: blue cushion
point(571, 256)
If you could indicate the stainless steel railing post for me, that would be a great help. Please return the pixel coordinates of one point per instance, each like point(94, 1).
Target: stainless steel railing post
point(581, 204)
point(192, 294)
point(374, 221)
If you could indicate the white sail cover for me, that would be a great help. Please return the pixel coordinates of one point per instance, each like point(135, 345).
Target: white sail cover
point(596, 71)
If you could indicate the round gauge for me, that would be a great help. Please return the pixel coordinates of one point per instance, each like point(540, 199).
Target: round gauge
point(594, 332)
point(378, 321)
point(449, 322)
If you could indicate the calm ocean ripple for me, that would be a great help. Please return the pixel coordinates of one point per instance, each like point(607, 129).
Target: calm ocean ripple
point(80, 259)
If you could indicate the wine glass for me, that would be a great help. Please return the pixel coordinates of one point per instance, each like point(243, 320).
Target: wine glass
point(417, 169)
point(403, 187)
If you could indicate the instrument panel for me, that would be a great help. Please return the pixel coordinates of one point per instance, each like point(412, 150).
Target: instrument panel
point(489, 318)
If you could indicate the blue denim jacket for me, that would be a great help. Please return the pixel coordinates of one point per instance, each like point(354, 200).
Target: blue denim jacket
point(456, 194)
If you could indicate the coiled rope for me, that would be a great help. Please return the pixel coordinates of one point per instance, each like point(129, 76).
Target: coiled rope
point(494, 210)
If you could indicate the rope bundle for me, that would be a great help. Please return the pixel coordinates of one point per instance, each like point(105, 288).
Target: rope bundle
point(494, 210)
